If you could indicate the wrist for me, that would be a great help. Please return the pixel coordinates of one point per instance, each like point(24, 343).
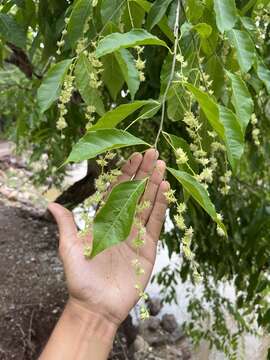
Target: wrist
point(93, 324)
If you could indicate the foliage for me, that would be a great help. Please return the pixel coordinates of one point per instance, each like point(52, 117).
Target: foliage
point(80, 78)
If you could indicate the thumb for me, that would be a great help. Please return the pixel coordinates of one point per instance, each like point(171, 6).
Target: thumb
point(65, 221)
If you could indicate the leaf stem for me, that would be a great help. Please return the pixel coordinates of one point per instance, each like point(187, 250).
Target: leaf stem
point(130, 15)
point(176, 39)
point(141, 116)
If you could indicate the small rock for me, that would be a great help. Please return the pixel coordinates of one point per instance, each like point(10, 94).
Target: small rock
point(156, 338)
point(169, 323)
point(174, 354)
point(140, 345)
point(153, 323)
point(177, 335)
point(154, 306)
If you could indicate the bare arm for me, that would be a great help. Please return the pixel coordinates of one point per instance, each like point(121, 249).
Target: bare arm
point(80, 334)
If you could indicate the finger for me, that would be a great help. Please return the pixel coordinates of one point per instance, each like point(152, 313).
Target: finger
point(66, 224)
point(157, 216)
point(147, 165)
point(152, 189)
point(129, 169)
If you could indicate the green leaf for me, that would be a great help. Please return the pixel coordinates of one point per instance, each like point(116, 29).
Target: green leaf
point(248, 23)
point(245, 49)
point(117, 41)
point(112, 75)
point(90, 95)
point(234, 138)
point(156, 13)
point(177, 142)
point(50, 87)
point(175, 106)
point(204, 30)
point(114, 221)
point(226, 14)
point(241, 99)
point(11, 31)
point(198, 192)
point(102, 140)
point(80, 13)
point(248, 6)
point(137, 16)
point(210, 109)
point(264, 75)
point(150, 110)
point(163, 24)
point(194, 15)
point(224, 122)
point(112, 118)
point(130, 73)
point(111, 10)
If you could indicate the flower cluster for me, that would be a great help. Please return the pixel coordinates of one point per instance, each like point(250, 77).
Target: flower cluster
point(61, 42)
point(94, 201)
point(181, 156)
point(186, 239)
point(82, 42)
point(97, 69)
point(225, 180)
point(193, 127)
point(64, 99)
point(170, 197)
point(220, 231)
point(255, 130)
point(188, 232)
point(262, 20)
point(89, 115)
point(209, 161)
point(206, 83)
point(180, 58)
point(179, 218)
point(137, 243)
point(183, 64)
point(139, 63)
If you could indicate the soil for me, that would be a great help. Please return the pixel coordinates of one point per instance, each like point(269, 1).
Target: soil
point(32, 287)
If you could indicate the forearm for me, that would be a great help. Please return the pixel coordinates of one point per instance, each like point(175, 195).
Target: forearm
point(80, 334)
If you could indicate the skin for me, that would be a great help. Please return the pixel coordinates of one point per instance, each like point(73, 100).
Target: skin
point(101, 291)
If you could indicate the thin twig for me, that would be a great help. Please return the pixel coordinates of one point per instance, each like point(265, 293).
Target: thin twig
point(197, 52)
point(104, 27)
point(176, 39)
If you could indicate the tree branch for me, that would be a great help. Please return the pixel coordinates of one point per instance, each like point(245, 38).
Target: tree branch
point(21, 60)
point(176, 39)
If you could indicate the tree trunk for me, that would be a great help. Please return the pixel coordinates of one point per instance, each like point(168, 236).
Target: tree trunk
point(81, 189)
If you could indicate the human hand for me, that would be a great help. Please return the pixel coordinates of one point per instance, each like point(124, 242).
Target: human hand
point(105, 284)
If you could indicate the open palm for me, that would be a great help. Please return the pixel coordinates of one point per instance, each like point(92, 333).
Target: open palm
point(105, 284)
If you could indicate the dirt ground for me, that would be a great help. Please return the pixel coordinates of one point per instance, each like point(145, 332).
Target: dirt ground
point(32, 290)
